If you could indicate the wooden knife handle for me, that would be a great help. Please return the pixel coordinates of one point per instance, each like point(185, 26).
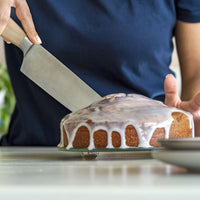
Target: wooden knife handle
point(13, 33)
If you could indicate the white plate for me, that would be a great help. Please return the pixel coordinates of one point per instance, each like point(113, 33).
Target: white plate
point(181, 143)
point(187, 159)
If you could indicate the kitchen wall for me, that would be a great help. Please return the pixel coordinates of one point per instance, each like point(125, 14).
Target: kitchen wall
point(174, 64)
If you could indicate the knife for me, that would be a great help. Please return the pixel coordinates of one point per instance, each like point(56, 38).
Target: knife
point(49, 73)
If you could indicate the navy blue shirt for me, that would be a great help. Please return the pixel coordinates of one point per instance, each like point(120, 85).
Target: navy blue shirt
point(114, 46)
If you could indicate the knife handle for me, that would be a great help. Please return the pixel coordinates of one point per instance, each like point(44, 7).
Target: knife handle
point(13, 33)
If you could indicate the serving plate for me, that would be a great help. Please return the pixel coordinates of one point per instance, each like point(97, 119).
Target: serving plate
point(182, 152)
point(181, 143)
point(110, 149)
point(182, 158)
point(114, 153)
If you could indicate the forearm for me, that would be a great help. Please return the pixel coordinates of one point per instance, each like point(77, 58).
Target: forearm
point(188, 47)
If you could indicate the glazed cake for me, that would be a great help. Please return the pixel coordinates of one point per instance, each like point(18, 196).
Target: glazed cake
point(124, 121)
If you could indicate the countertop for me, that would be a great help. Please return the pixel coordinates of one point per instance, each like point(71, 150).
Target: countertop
point(46, 173)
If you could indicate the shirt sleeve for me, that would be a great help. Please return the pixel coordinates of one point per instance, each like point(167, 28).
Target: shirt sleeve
point(188, 10)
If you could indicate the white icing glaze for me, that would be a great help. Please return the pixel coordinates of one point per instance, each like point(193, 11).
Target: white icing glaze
point(115, 112)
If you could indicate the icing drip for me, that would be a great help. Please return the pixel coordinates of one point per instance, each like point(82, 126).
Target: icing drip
point(115, 112)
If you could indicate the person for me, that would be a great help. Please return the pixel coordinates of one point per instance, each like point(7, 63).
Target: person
point(114, 46)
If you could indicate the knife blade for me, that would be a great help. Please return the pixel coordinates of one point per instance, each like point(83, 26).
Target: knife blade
point(49, 73)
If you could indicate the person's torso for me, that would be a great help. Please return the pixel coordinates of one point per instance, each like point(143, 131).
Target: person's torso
point(114, 46)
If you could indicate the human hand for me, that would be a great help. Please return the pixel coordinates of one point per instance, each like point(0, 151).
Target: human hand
point(23, 14)
point(172, 99)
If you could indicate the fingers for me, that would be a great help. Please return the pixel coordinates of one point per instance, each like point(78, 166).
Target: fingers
point(5, 6)
point(171, 91)
point(24, 15)
point(193, 105)
point(197, 127)
point(195, 102)
point(8, 42)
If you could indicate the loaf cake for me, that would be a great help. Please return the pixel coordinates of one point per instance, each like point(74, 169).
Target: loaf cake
point(124, 121)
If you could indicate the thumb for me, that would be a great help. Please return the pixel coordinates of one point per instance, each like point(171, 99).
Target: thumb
point(171, 91)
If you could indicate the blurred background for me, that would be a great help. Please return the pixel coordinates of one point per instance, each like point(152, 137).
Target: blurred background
point(7, 100)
